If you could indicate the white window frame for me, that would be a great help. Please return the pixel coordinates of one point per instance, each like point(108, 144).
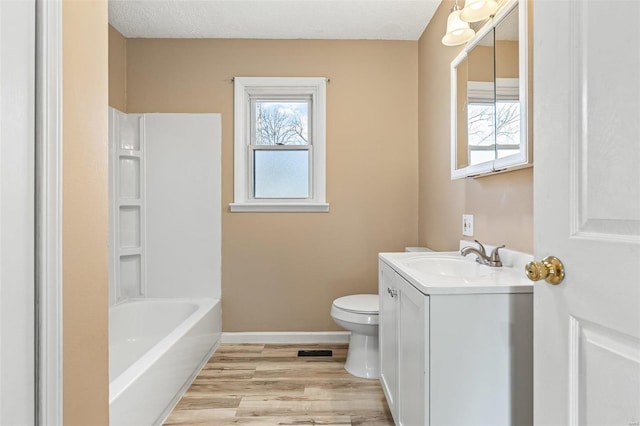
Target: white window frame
point(245, 88)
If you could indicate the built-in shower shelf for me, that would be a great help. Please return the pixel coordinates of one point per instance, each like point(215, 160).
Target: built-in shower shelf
point(127, 178)
point(129, 202)
point(130, 251)
point(129, 153)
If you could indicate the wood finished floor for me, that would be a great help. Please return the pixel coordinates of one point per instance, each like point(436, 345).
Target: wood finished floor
point(264, 385)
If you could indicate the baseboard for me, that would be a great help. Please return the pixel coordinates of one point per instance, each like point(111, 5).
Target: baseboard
point(287, 337)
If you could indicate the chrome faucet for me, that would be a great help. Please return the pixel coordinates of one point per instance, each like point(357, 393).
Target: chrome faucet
point(491, 260)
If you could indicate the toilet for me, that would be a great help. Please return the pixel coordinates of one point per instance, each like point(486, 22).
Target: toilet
point(358, 313)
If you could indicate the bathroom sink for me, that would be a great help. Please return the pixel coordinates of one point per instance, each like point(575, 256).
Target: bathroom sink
point(449, 272)
point(449, 267)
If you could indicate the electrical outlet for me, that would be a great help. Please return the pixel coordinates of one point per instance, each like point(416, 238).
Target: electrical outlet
point(467, 225)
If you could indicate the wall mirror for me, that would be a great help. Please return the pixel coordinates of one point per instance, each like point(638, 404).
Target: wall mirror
point(489, 97)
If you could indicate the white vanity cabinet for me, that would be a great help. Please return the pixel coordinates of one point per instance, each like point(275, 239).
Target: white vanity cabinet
point(455, 356)
point(406, 312)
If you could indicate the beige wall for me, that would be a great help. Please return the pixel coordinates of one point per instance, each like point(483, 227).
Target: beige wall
point(84, 232)
point(117, 70)
point(502, 204)
point(480, 64)
point(281, 271)
point(507, 59)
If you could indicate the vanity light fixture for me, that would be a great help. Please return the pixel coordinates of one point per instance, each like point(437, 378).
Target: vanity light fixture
point(477, 10)
point(458, 31)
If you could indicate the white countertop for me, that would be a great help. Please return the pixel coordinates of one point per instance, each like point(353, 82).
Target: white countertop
point(450, 273)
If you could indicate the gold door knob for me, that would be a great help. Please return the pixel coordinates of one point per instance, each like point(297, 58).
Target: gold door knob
point(550, 269)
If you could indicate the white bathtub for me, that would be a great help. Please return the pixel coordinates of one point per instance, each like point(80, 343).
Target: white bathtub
point(156, 347)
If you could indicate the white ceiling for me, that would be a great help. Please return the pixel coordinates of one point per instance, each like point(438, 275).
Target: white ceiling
point(273, 19)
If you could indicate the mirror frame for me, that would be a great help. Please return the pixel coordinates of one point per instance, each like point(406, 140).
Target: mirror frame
point(523, 158)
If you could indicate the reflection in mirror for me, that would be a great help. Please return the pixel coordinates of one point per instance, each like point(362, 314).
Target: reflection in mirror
point(462, 154)
point(480, 102)
point(489, 86)
point(507, 86)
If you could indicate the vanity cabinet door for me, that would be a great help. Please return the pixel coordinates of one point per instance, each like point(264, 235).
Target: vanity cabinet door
point(413, 356)
point(388, 335)
point(404, 348)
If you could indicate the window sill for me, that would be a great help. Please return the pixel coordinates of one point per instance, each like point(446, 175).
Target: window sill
point(280, 207)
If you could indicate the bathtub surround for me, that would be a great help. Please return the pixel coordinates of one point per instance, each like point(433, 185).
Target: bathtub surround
point(164, 320)
point(165, 208)
point(183, 205)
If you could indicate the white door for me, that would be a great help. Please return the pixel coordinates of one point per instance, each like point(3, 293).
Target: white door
point(587, 211)
point(17, 100)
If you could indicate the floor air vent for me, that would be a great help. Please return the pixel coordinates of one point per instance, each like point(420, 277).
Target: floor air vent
point(316, 352)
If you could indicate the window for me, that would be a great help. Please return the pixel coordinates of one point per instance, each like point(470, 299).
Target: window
point(279, 144)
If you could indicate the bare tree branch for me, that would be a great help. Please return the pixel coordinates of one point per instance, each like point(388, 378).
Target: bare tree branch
point(481, 124)
point(275, 126)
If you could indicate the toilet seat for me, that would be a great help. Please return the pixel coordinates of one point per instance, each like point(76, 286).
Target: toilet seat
point(357, 309)
point(359, 303)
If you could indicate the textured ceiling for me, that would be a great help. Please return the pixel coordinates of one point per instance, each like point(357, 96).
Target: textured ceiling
point(271, 19)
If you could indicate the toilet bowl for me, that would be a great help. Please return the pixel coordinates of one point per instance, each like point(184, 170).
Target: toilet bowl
point(358, 313)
